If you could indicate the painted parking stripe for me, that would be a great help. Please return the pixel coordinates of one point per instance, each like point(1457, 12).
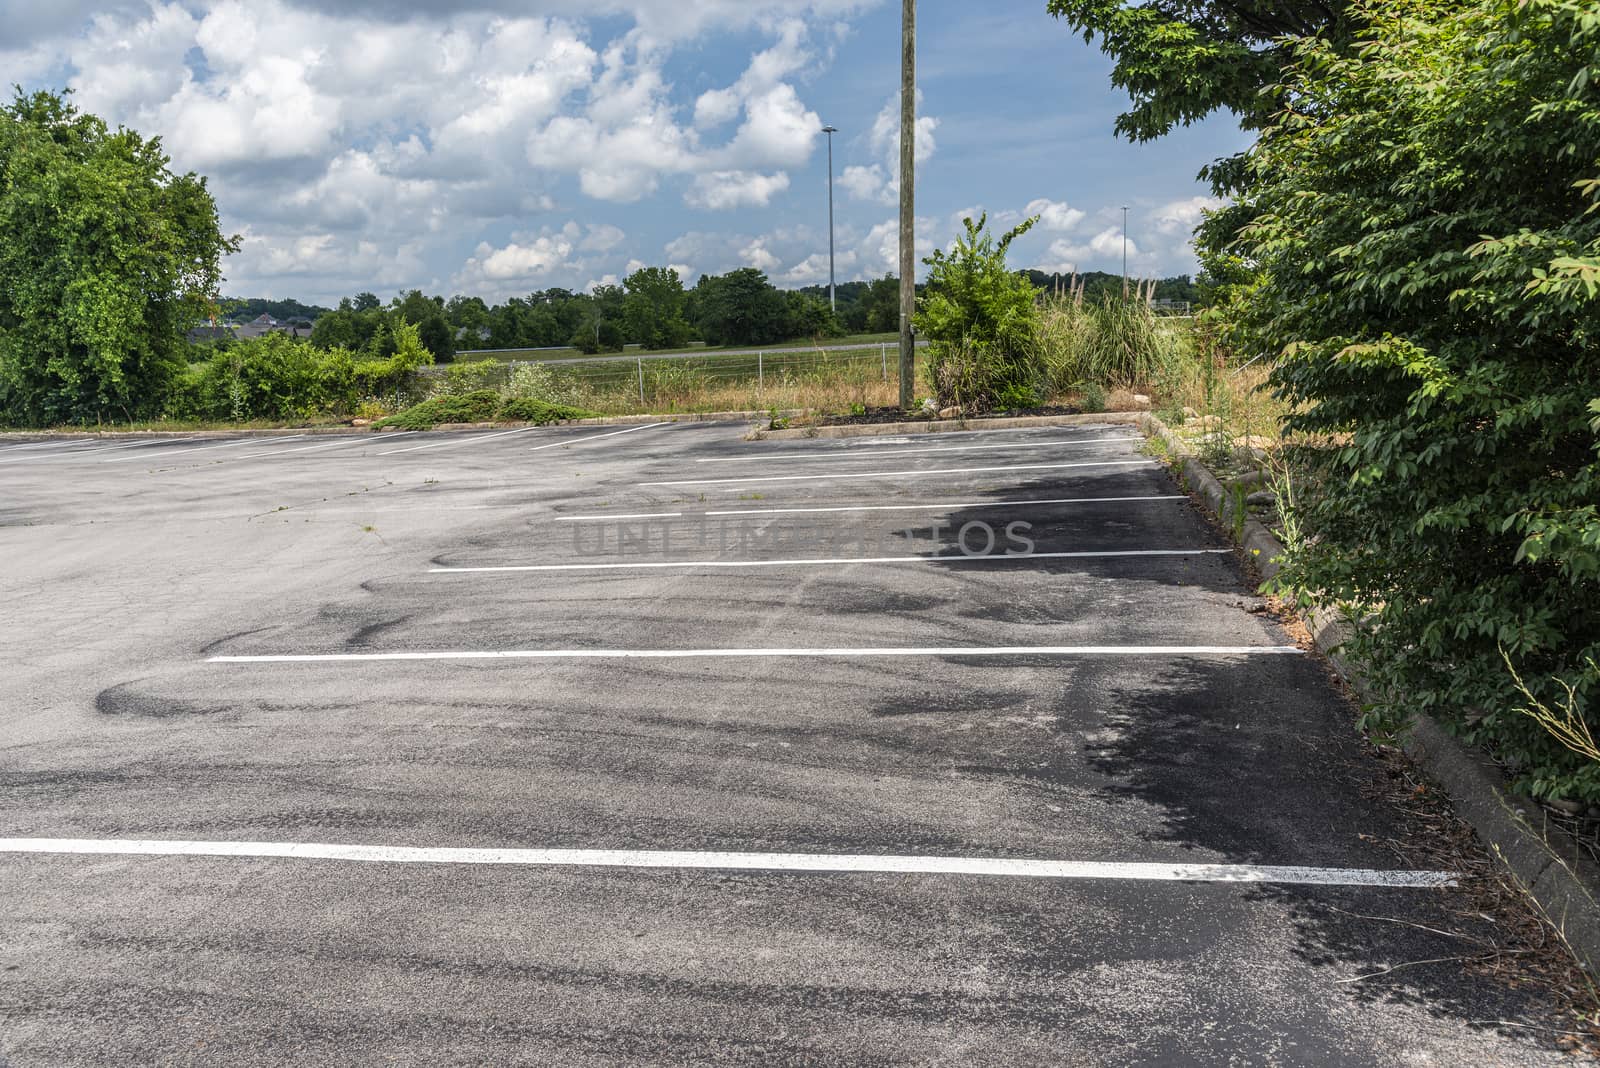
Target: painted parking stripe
point(597, 437)
point(952, 558)
point(774, 862)
point(75, 453)
point(523, 430)
point(882, 507)
point(921, 473)
point(472, 439)
point(212, 448)
point(857, 453)
point(61, 443)
point(705, 654)
point(355, 439)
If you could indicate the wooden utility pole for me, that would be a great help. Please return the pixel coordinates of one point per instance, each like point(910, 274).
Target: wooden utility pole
point(908, 214)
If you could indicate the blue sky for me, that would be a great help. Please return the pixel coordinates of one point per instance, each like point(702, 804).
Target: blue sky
point(498, 147)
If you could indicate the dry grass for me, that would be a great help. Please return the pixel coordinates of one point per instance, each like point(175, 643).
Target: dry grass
point(846, 390)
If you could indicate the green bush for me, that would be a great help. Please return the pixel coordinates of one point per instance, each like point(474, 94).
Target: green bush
point(1425, 215)
point(479, 406)
point(277, 377)
point(532, 410)
point(980, 321)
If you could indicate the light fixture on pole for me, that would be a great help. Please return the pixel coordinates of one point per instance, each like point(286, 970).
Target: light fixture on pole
point(1124, 251)
point(833, 302)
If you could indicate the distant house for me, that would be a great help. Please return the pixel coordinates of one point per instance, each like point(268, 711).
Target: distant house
point(210, 332)
point(482, 333)
point(260, 325)
point(266, 324)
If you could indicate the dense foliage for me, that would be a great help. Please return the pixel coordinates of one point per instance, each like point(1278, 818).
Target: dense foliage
point(243, 309)
point(980, 320)
point(653, 307)
point(1423, 215)
point(280, 378)
point(107, 259)
point(1181, 60)
point(364, 326)
point(481, 406)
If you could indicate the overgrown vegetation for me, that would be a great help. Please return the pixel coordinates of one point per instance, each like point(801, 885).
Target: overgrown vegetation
point(1420, 221)
point(107, 259)
point(1113, 342)
point(980, 319)
point(275, 377)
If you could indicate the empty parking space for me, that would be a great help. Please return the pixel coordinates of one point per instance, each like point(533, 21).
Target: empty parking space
point(654, 745)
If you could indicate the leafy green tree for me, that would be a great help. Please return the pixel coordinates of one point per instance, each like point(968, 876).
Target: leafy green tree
point(739, 308)
point(807, 316)
point(601, 327)
point(979, 318)
point(653, 308)
point(882, 303)
point(364, 302)
point(1425, 221)
point(1180, 60)
point(427, 314)
point(108, 258)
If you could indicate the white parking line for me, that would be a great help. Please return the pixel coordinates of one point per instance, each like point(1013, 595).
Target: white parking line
point(75, 453)
point(23, 447)
point(701, 654)
point(857, 453)
point(896, 474)
point(469, 440)
point(355, 439)
point(774, 862)
point(597, 437)
point(211, 448)
point(880, 507)
point(523, 430)
point(993, 558)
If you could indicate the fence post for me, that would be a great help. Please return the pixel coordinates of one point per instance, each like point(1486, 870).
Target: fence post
point(761, 371)
point(641, 381)
point(883, 351)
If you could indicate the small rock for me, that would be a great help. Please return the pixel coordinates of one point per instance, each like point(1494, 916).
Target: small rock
point(952, 412)
point(930, 407)
point(1253, 441)
point(1190, 413)
point(1262, 497)
point(361, 422)
point(1208, 422)
point(1571, 808)
point(1142, 400)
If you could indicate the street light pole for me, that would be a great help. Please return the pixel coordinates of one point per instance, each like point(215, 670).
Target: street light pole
point(833, 301)
point(908, 215)
point(1124, 252)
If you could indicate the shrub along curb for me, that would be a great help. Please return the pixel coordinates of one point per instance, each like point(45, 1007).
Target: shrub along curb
point(1543, 857)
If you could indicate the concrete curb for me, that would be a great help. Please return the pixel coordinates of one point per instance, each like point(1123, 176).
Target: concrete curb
point(1542, 857)
point(940, 426)
point(606, 420)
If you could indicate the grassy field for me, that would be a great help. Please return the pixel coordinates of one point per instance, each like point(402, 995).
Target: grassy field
point(509, 355)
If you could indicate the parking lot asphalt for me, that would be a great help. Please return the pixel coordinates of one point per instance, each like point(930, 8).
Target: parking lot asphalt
point(582, 746)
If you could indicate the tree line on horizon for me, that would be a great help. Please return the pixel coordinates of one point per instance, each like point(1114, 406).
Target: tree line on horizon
point(651, 309)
